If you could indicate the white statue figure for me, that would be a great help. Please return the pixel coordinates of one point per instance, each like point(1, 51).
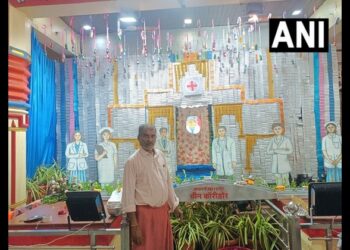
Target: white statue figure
point(164, 144)
point(332, 154)
point(224, 153)
point(280, 147)
point(76, 152)
point(106, 157)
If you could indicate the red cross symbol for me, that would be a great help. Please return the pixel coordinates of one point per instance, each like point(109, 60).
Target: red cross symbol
point(192, 85)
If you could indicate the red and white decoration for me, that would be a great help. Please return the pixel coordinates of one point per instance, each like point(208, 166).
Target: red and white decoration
point(193, 82)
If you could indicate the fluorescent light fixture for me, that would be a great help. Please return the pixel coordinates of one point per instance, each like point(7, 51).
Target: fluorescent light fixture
point(87, 27)
point(296, 12)
point(187, 21)
point(128, 19)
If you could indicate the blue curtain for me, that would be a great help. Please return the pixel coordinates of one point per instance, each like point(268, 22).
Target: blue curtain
point(63, 121)
point(41, 133)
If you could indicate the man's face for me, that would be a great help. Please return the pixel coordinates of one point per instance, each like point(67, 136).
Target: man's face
point(221, 132)
point(278, 130)
point(163, 133)
point(147, 139)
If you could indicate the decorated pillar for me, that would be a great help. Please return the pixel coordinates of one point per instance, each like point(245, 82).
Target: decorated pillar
point(18, 92)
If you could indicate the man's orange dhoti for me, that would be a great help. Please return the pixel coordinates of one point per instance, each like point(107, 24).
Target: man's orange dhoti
point(153, 221)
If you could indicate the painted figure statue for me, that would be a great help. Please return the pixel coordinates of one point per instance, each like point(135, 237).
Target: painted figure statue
point(76, 152)
point(167, 146)
point(224, 153)
point(332, 154)
point(280, 147)
point(106, 157)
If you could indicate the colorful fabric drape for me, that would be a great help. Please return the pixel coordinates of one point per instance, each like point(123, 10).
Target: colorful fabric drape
point(193, 148)
point(41, 134)
point(63, 121)
point(319, 155)
point(330, 82)
point(322, 94)
point(71, 98)
point(76, 96)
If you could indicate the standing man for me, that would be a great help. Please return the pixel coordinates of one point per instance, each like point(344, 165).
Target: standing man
point(148, 195)
point(280, 147)
point(224, 153)
point(167, 147)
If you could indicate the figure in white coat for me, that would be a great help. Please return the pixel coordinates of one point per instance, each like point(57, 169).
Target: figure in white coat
point(106, 157)
point(76, 152)
point(280, 147)
point(331, 149)
point(224, 153)
point(168, 148)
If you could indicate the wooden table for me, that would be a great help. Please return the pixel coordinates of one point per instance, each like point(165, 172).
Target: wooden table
point(52, 220)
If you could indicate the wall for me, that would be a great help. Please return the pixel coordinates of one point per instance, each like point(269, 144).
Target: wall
point(19, 30)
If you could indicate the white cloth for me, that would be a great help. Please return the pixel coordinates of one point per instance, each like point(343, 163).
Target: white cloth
point(168, 148)
point(280, 148)
point(106, 166)
point(331, 146)
point(146, 181)
point(224, 153)
point(76, 157)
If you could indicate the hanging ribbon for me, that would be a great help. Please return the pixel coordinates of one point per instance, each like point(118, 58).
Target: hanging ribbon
point(199, 28)
point(94, 39)
point(51, 45)
point(72, 39)
point(81, 41)
point(63, 56)
point(213, 35)
point(168, 42)
point(44, 28)
point(239, 22)
point(144, 39)
point(137, 51)
point(158, 37)
point(121, 50)
point(107, 36)
point(228, 31)
point(186, 44)
point(205, 34)
point(154, 40)
point(119, 30)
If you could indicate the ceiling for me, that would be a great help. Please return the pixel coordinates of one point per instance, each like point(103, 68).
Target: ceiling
point(170, 13)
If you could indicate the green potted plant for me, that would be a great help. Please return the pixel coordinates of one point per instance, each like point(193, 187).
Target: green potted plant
point(265, 232)
point(219, 233)
point(34, 190)
point(245, 228)
point(189, 231)
point(257, 231)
